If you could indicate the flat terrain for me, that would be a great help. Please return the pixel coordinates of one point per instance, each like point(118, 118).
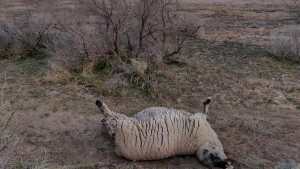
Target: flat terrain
point(256, 98)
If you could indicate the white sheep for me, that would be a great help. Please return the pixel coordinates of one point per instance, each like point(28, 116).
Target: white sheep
point(159, 132)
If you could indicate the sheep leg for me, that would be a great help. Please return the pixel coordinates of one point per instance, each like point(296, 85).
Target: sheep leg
point(110, 117)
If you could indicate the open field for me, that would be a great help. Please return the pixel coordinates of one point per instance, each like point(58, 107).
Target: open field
point(256, 98)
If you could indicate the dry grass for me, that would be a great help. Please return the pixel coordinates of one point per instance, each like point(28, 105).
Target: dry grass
point(25, 39)
point(285, 43)
point(7, 139)
point(57, 73)
point(256, 97)
point(288, 164)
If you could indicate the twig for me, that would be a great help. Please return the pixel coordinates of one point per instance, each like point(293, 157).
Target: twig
point(2, 91)
point(3, 104)
point(6, 124)
point(9, 119)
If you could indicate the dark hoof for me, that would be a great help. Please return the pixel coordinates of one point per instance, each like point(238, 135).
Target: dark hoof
point(99, 103)
point(207, 101)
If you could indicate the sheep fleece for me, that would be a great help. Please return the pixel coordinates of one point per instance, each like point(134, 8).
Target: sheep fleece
point(161, 138)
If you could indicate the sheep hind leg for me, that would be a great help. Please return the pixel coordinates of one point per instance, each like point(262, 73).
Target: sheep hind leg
point(104, 108)
point(109, 120)
point(109, 113)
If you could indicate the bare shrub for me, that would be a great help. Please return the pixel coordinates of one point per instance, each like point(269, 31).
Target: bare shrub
point(65, 50)
point(24, 37)
point(288, 41)
point(151, 29)
point(293, 7)
point(292, 4)
point(285, 43)
point(6, 43)
point(144, 83)
point(108, 34)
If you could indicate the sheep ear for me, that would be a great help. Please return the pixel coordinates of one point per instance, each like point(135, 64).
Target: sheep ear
point(206, 105)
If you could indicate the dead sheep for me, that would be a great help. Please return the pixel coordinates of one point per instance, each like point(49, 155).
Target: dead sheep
point(158, 132)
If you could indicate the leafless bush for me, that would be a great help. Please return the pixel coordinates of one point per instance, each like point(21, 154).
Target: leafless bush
point(151, 29)
point(25, 37)
point(285, 43)
point(102, 34)
point(294, 9)
point(292, 3)
point(109, 34)
point(66, 49)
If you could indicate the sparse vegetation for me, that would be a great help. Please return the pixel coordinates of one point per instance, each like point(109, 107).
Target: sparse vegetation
point(285, 43)
point(150, 29)
point(288, 164)
point(61, 55)
point(24, 39)
point(7, 139)
point(293, 7)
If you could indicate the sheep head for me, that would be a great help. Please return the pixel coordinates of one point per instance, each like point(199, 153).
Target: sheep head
point(212, 153)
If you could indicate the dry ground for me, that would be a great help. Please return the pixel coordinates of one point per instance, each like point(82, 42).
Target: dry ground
point(256, 108)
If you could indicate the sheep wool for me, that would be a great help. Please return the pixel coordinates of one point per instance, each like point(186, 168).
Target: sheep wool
point(159, 132)
point(161, 138)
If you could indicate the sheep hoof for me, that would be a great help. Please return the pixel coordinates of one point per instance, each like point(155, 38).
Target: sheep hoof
point(99, 103)
point(207, 101)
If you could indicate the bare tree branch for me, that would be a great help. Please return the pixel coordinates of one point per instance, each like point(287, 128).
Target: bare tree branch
point(6, 123)
point(139, 27)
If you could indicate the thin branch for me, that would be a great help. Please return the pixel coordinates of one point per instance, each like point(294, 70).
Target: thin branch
point(2, 91)
point(7, 122)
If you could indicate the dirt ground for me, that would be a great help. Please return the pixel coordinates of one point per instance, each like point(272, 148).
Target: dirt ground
point(255, 109)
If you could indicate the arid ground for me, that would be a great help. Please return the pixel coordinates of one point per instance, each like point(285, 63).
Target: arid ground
point(256, 97)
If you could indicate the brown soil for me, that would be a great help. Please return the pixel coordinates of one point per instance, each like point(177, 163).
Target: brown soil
point(256, 107)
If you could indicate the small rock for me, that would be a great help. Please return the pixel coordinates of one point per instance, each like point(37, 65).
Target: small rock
point(139, 67)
